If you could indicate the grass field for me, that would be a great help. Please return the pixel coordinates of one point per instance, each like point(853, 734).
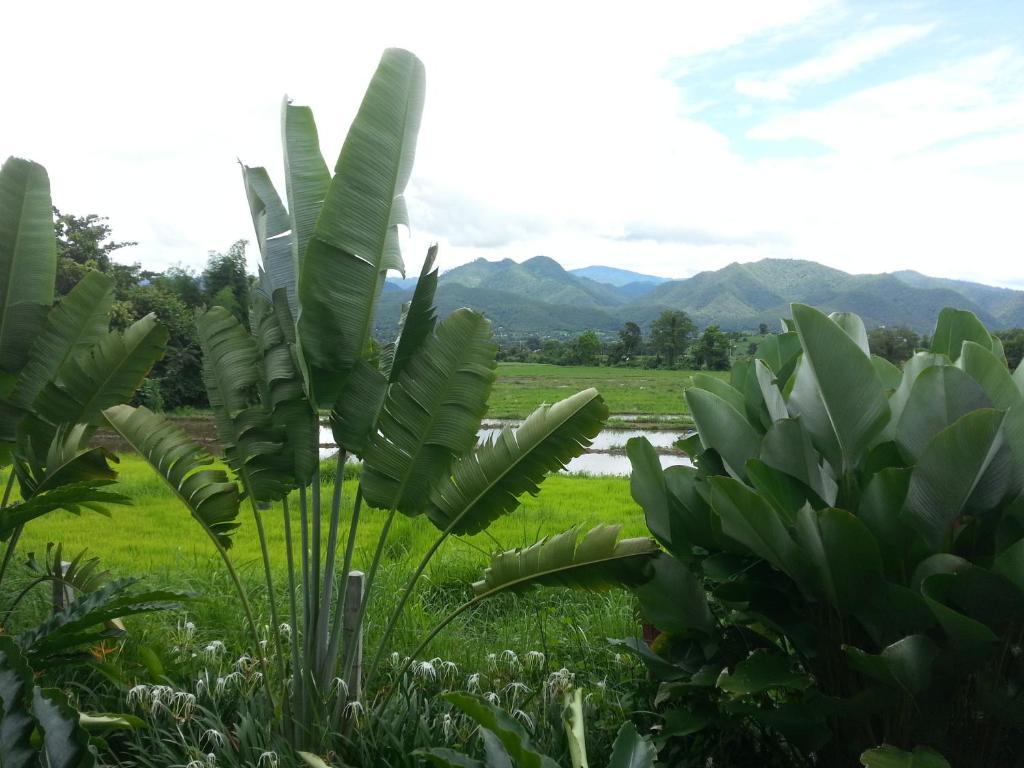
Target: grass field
point(158, 540)
point(520, 387)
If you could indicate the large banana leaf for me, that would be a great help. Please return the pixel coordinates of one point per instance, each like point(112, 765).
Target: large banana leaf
point(73, 325)
point(28, 258)
point(66, 462)
point(940, 396)
point(355, 240)
point(953, 328)
point(210, 497)
point(950, 471)
point(418, 317)
point(274, 236)
point(597, 561)
point(256, 448)
point(725, 428)
point(306, 175)
point(431, 414)
point(991, 373)
point(104, 375)
point(515, 741)
point(72, 497)
point(488, 482)
point(282, 390)
point(846, 386)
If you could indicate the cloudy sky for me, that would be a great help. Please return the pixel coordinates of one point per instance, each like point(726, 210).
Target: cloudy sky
point(666, 137)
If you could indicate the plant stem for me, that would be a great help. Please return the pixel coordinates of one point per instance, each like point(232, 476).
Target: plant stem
point(368, 587)
point(247, 608)
point(426, 641)
point(313, 620)
point(298, 713)
point(323, 616)
point(339, 611)
point(406, 593)
point(16, 534)
point(304, 541)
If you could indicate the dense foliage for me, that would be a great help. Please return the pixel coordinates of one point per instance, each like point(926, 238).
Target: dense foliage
point(847, 554)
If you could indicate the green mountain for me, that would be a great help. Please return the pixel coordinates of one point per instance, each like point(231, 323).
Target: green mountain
point(617, 277)
point(539, 297)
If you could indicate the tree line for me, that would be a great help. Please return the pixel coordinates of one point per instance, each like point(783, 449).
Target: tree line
point(672, 341)
point(175, 295)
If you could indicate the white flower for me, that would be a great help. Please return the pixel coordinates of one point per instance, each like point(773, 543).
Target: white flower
point(492, 662)
point(449, 669)
point(493, 698)
point(535, 660)
point(353, 709)
point(339, 687)
point(395, 660)
point(183, 704)
point(214, 649)
point(285, 630)
point(473, 682)
point(516, 687)
point(447, 727)
point(524, 718)
point(267, 760)
point(137, 695)
point(424, 670)
point(215, 738)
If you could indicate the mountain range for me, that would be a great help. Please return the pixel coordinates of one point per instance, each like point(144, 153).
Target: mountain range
point(539, 297)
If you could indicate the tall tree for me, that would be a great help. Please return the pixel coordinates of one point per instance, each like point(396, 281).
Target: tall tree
point(671, 333)
point(712, 350)
point(631, 338)
point(226, 281)
point(896, 344)
point(586, 348)
point(83, 243)
point(1013, 345)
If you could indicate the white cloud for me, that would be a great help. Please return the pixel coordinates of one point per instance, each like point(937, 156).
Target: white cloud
point(554, 128)
point(843, 58)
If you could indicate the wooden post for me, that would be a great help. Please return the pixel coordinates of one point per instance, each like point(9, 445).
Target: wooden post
point(63, 595)
point(352, 633)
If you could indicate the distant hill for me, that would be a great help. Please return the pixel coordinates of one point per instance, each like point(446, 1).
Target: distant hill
point(616, 277)
point(539, 297)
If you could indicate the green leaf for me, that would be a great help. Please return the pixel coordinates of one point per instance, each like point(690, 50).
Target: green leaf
point(889, 374)
point(210, 497)
point(509, 732)
point(972, 640)
point(725, 429)
point(674, 600)
point(879, 510)
point(83, 621)
point(104, 375)
point(779, 352)
point(647, 486)
point(269, 443)
point(853, 327)
point(354, 416)
point(110, 722)
point(630, 750)
point(487, 483)
point(305, 173)
point(65, 742)
point(274, 236)
point(28, 258)
point(597, 561)
point(949, 471)
point(16, 750)
point(940, 396)
point(906, 664)
point(418, 317)
point(770, 393)
point(991, 373)
point(953, 328)
point(356, 237)
point(723, 389)
point(760, 672)
point(70, 497)
point(887, 756)
point(846, 382)
point(73, 325)
point(748, 519)
point(787, 447)
point(913, 368)
point(431, 414)
point(786, 494)
point(845, 564)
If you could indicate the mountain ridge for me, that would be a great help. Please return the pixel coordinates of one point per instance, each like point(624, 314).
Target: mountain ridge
point(539, 297)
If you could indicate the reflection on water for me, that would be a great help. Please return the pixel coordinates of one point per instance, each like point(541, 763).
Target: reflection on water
point(605, 457)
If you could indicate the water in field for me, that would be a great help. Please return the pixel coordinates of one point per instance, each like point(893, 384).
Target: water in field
point(606, 455)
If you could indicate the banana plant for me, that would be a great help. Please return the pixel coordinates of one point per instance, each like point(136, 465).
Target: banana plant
point(846, 551)
point(60, 366)
point(411, 413)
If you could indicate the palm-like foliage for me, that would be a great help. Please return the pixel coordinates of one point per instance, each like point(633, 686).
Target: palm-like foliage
point(411, 412)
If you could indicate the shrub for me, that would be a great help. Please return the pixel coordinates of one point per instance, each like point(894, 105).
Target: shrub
point(848, 551)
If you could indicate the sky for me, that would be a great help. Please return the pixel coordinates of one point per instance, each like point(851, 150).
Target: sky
point(668, 138)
